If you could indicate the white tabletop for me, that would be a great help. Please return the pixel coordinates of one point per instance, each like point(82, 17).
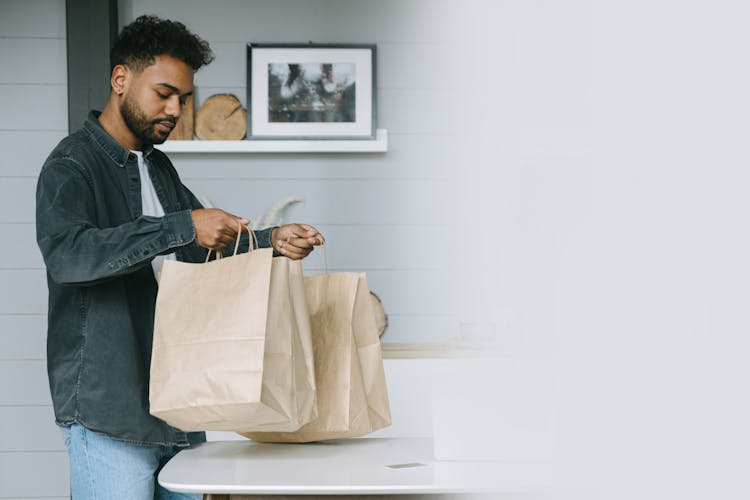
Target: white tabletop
point(349, 466)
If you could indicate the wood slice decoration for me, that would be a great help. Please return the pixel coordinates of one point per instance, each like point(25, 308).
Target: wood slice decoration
point(184, 129)
point(221, 117)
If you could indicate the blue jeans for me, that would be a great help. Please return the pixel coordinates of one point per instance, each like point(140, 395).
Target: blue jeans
point(103, 468)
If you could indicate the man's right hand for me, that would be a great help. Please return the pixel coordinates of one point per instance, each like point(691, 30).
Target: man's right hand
point(215, 228)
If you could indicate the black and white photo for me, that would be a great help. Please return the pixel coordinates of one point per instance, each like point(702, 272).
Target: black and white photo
point(311, 91)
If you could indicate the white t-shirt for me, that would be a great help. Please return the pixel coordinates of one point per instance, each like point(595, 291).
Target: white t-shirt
point(151, 206)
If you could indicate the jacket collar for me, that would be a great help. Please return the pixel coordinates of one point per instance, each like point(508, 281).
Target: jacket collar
point(114, 149)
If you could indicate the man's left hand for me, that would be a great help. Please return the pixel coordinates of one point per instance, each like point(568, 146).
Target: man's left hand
point(295, 241)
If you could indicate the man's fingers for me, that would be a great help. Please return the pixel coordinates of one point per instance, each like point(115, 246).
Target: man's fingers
point(296, 244)
point(225, 241)
point(294, 255)
point(295, 248)
point(225, 236)
point(236, 218)
point(216, 228)
point(303, 230)
point(232, 225)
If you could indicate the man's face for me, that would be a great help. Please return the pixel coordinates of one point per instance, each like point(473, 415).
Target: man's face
point(154, 98)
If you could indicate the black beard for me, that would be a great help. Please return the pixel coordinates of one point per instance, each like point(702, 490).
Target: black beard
point(143, 128)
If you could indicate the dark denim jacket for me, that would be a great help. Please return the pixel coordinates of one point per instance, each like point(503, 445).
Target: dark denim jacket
point(98, 247)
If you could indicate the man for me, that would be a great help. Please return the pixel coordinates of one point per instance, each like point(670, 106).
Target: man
point(110, 207)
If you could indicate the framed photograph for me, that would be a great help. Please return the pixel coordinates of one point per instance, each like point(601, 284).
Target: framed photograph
point(310, 91)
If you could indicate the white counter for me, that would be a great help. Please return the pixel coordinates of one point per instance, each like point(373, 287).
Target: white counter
point(354, 467)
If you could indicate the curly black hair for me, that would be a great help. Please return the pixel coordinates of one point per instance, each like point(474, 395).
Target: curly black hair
point(149, 36)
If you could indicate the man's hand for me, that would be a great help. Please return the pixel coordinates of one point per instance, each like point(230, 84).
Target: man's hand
point(216, 228)
point(295, 241)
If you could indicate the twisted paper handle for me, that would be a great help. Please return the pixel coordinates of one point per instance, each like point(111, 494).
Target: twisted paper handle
point(252, 242)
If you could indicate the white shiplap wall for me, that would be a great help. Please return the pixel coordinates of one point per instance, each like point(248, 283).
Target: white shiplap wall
point(600, 169)
point(376, 210)
point(391, 215)
point(33, 97)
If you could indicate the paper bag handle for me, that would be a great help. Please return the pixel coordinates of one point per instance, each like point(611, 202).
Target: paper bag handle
point(252, 242)
point(323, 255)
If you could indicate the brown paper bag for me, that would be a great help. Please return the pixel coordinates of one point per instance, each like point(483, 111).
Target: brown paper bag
point(350, 380)
point(232, 348)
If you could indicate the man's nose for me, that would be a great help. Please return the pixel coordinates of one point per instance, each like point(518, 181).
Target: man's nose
point(173, 107)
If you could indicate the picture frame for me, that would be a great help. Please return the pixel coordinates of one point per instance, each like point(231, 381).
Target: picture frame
point(311, 91)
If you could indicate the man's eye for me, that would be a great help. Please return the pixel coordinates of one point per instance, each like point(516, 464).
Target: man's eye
point(163, 96)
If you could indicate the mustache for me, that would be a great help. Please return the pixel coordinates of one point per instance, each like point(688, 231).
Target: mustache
point(169, 119)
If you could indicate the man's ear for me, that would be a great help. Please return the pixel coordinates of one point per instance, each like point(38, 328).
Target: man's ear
point(120, 80)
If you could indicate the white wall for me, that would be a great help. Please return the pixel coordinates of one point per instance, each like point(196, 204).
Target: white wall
point(598, 174)
point(33, 97)
point(391, 215)
point(592, 197)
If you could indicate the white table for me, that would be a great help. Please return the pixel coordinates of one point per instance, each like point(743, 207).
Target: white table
point(367, 466)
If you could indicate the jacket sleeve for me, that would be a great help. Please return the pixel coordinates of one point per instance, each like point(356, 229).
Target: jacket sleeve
point(76, 250)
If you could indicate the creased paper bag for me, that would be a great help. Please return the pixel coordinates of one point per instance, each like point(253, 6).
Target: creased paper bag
point(350, 380)
point(232, 347)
